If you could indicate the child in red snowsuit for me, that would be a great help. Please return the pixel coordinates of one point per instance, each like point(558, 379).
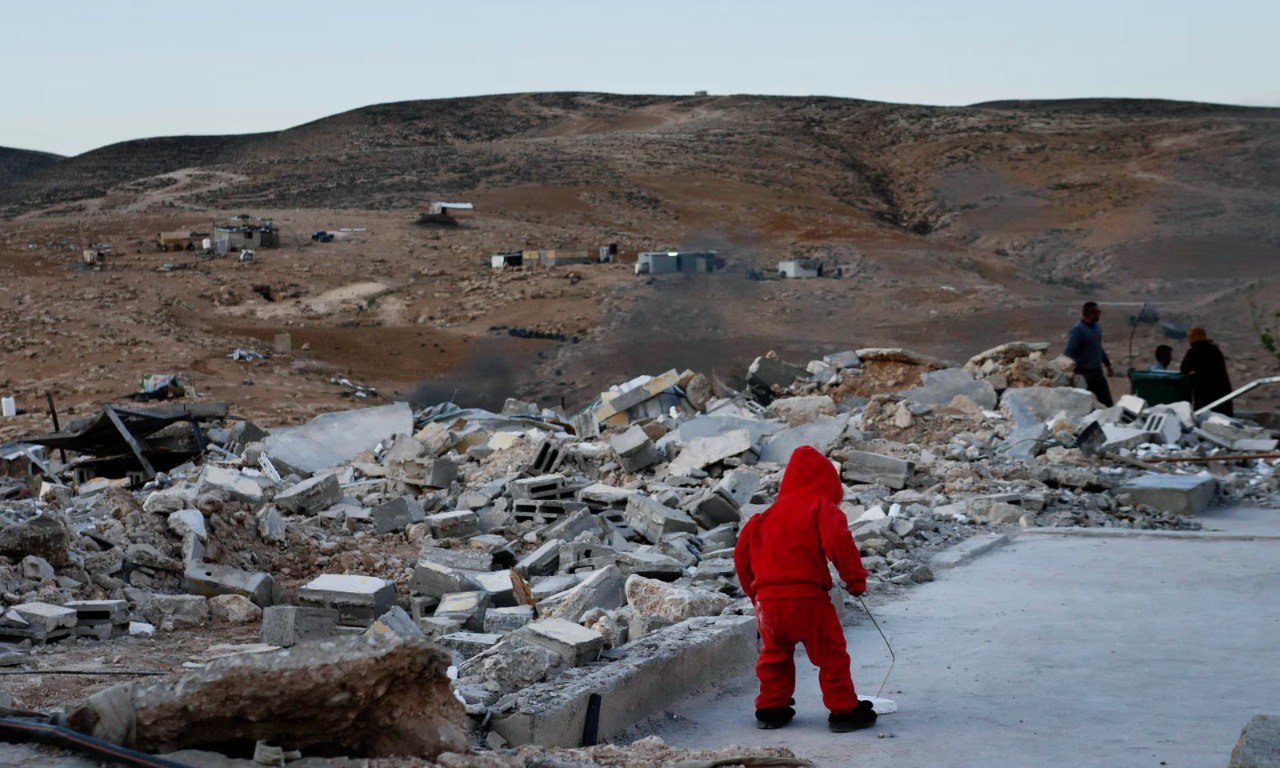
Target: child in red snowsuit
point(781, 559)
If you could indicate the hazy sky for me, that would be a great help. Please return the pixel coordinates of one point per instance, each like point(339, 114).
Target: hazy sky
point(77, 75)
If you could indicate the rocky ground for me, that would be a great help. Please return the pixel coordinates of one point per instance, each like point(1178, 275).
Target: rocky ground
point(536, 553)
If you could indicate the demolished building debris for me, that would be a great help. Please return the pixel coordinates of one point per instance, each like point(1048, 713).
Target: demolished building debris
point(574, 569)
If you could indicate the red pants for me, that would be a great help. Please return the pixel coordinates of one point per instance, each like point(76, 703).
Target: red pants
point(813, 621)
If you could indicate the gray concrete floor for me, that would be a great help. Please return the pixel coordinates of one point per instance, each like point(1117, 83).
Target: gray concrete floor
point(1054, 651)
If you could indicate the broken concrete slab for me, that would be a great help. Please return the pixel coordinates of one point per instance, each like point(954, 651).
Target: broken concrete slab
point(865, 467)
point(697, 653)
point(941, 387)
point(649, 597)
point(805, 409)
point(170, 612)
point(456, 524)
point(602, 589)
point(230, 482)
point(396, 514)
point(209, 579)
point(653, 519)
point(467, 608)
point(311, 495)
point(394, 694)
point(576, 644)
point(821, 434)
point(336, 438)
point(1034, 405)
point(1178, 494)
point(358, 599)
point(396, 621)
point(287, 625)
point(634, 450)
point(702, 451)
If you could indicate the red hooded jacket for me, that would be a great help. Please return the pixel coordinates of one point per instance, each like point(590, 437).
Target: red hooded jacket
point(783, 551)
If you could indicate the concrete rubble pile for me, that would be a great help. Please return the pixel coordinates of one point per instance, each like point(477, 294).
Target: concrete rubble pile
point(570, 567)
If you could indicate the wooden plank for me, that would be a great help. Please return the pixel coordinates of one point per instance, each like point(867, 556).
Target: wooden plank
point(134, 445)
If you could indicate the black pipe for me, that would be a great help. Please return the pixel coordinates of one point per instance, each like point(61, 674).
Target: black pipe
point(22, 731)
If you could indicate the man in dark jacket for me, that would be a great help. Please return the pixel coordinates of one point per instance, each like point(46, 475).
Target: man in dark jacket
point(1084, 347)
point(1207, 367)
point(781, 559)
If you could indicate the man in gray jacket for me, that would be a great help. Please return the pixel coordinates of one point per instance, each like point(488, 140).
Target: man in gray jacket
point(1084, 347)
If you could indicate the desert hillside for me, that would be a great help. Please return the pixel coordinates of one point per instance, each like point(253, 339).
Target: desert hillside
point(17, 164)
point(955, 228)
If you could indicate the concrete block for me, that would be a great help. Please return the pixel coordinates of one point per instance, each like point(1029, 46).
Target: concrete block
point(573, 525)
point(396, 515)
point(496, 584)
point(822, 434)
point(576, 644)
point(697, 653)
point(230, 482)
point(652, 519)
point(508, 619)
point(542, 561)
point(311, 495)
point(738, 486)
point(468, 608)
point(651, 565)
point(710, 509)
point(864, 467)
point(458, 524)
point(186, 522)
point(547, 586)
point(602, 589)
point(434, 627)
point(170, 612)
point(435, 579)
point(641, 625)
point(90, 612)
point(634, 450)
point(286, 625)
point(395, 622)
point(209, 580)
point(1179, 494)
point(359, 600)
point(651, 597)
point(45, 618)
point(469, 643)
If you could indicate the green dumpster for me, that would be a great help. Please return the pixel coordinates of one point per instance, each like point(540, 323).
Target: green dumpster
point(1159, 387)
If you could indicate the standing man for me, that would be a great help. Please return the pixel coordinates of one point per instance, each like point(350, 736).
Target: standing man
point(1207, 367)
point(1084, 347)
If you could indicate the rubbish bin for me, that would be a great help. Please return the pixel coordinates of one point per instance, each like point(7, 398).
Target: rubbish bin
point(1160, 387)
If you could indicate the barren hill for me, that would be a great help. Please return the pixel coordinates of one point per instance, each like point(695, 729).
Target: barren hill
point(17, 164)
point(956, 228)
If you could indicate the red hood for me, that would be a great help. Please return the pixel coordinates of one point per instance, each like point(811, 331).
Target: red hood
point(809, 473)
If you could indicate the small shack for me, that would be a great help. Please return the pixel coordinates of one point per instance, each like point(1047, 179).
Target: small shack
point(551, 258)
point(242, 234)
point(800, 269)
point(504, 260)
point(671, 262)
point(179, 240)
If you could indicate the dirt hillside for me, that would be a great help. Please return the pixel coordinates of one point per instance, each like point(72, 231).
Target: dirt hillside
point(953, 229)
